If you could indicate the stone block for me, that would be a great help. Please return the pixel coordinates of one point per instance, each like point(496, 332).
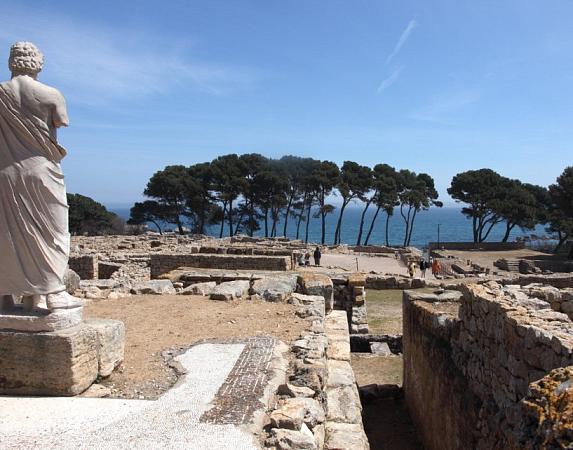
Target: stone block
point(230, 290)
point(318, 284)
point(199, 288)
point(343, 405)
point(16, 319)
point(59, 363)
point(345, 436)
point(153, 287)
point(111, 344)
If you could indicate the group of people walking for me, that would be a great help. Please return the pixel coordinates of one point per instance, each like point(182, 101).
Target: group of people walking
point(423, 265)
point(304, 260)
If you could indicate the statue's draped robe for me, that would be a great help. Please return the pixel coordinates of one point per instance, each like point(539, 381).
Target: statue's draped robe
point(34, 237)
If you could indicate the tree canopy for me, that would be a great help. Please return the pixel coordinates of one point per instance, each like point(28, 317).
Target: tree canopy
point(86, 216)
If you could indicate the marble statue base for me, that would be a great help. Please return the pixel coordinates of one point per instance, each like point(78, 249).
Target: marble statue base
point(59, 363)
point(18, 319)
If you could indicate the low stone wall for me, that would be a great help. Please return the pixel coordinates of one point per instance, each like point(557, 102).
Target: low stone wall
point(162, 263)
point(373, 249)
point(107, 269)
point(469, 364)
point(488, 246)
point(261, 251)
point(85, 266)
point(381, 282)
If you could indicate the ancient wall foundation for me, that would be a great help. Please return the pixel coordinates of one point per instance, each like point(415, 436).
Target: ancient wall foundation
point(162, 263)
point(86, 266)
point(469, 363)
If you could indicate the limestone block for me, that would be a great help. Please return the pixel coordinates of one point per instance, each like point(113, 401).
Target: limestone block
point(343, 405)
point(199, 288)
point(357, 279)
point(230, 290)
point(318, 284)
point(345, 436)
point(275, 289)
point(295, 391)
point(17, 319)
point(59, 363)
point(288, 415)
point(154, 287)
point(340, 373)
point(380, 348)
point(72, 281)
point(111, 344)
point(338, 349)
point(283, 439)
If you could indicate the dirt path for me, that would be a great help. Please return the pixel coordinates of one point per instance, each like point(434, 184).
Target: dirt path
point(157, 323)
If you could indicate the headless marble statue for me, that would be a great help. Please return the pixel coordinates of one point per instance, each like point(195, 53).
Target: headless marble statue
point(34, 237)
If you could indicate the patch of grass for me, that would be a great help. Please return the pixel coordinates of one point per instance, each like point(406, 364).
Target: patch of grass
point(384, 311)
point(369, 369)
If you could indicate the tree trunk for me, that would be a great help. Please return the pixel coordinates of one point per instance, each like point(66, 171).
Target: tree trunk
point(412, 226)
point(339, 222)
point(266, 222)
point(307, 222)
point(230, 217)
point(289, 205)
point(362, 216)
point(300, 216)
point(158, 227)
point(386, 231)
point(508, 228)
point(371, 226)
point(223, 220)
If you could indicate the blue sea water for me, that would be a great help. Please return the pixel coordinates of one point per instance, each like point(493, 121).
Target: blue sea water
point(454, 227)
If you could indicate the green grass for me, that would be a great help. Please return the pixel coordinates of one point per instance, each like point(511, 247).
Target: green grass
point(384, 311)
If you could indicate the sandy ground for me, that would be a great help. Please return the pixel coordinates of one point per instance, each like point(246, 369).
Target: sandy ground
point(334, 261)
point(157, 323)
point(486, 259)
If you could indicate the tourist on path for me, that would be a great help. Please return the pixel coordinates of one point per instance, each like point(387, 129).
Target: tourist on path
point(423, 267)
point(412, 269)
point(317, 256)
point(436, 267)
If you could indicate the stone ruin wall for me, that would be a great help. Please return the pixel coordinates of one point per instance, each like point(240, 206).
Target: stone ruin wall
point(162, 263)
point(467, 374)
point(85, 266)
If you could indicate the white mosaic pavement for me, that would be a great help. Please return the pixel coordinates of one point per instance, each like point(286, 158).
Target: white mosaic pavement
point(172, 422)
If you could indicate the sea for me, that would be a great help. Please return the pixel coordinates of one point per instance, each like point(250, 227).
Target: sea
point(452, 224)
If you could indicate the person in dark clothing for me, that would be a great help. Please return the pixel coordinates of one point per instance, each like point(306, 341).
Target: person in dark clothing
point(423, 267)
point(317, 256)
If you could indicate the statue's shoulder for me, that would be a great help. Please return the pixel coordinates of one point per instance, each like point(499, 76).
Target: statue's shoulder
point(46, 93)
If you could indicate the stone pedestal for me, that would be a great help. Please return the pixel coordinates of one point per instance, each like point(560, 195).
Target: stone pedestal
point(59, 363)
point(18, 319)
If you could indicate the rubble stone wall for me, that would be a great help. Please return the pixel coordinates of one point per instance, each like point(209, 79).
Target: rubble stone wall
point(262, 251)
point(85, 266)
point(467, 366)
point(162, 263)
point(490, 246)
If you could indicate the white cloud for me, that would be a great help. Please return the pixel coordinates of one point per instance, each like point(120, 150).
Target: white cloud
point(94, 64)
point(390, 79)
point(442, 108)
point(403, 39)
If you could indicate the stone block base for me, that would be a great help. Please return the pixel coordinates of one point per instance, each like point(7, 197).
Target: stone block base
point(59, 363)
point(18, 319)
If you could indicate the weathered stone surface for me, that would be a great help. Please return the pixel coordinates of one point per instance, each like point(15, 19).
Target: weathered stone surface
point(96, 391)
point(38, 321)
point(72, 281)
point(62, 362)
point(283, 439)
point(289, 415)
point(205, 288)
point(343, 405)
point(295, 391)
point(380, 348)
point(312, 412)
point(111, 344)
point(345, 436)
point(318, 284)
point(153, 287)
point(340, 373)
point(230, 290)
point(275, 289)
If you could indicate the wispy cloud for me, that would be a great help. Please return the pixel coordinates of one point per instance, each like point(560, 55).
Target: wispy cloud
point(390, 79)
point(402, 41)
point(94, 64)
point(442, 108)
point(395, 71)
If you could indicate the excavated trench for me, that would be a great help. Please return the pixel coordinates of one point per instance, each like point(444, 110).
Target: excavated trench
point(378, 367)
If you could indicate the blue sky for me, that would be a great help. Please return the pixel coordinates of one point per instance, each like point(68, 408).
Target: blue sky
point(433, 86)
